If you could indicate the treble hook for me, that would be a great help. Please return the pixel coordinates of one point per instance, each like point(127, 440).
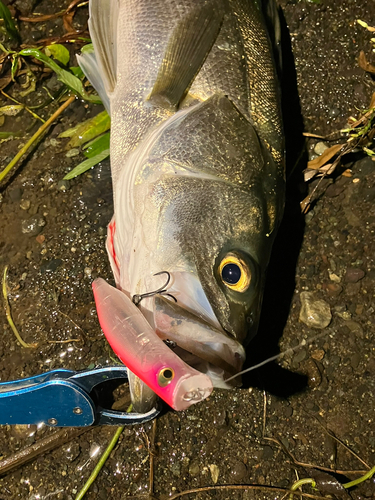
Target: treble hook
point(136, 299)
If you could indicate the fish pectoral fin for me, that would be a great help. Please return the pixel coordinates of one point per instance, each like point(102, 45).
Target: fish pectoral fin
point(187, 49)
point(103, 30)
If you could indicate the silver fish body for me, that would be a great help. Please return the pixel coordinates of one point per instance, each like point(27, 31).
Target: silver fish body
point(197, 160)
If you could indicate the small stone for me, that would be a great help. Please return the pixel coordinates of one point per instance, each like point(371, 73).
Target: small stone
point(25, 204)
point(175, 468)
point(51, 266)
point(334, 277)
point(311, 369)
point(352, 289)
point(15, 194)
point(320, 147)
point(40, 238)
point(63, 185)
point(72, 152)
point(332, 289)
point(355, 360)
point(355, 327)
point(194, 468)
point(345, 315)
point(238, 471)
point(300, 356)
point(71, 451)
point(215, 471)
point(88, 271)
point(359, 309)
point(267, 453)
point(318, 354)
point(314, 313)
point(353, 275)
point(33, 226)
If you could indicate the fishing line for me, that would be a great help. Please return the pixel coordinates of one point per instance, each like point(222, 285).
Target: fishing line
point(277, 356)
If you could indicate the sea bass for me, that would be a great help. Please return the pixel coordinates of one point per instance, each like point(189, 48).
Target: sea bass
point(197, 161)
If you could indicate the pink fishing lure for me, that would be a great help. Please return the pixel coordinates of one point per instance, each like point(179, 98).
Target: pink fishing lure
point(144, 353)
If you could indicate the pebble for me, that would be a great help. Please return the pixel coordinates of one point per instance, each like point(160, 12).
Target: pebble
point(25, 204)
point(194, 468)
point(311, 369)
point(238, 471)
point(33, 226)
point(318, 354)
point(40, 238)
point(345, 315)
point(300, 356)
point(71, 451)
point(175, 468)
point(63, 185)
point(314, 313)
point(332, 289)
point(355, 360)
point(15, 194)
point(355, 327)
point(320, 147)
point(267, 453)
point(352, 289)
point(72, 152)
point(353, 275)
point(51, 266)
point(359, 309)
point(334, 277)
point(215, 471)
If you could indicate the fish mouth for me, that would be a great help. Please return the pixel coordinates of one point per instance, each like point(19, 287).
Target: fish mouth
point(222, 355)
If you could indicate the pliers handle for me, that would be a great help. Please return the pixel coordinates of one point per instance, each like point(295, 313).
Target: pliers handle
point(61, 398)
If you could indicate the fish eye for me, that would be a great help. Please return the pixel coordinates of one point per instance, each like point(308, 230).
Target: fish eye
point(235, 273)
point(165, 376)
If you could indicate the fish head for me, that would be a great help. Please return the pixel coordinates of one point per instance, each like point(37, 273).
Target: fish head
point(207, 199)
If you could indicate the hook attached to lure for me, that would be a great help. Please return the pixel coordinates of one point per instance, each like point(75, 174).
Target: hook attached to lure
point(136, 299)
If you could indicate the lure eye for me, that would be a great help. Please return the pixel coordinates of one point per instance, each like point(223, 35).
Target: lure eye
point(165, 377)
point(235, 273)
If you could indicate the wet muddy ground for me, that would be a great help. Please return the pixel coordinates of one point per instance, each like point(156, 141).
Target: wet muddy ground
point(313, 409)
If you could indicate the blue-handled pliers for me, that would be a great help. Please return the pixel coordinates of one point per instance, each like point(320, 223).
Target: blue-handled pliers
point(61, 398)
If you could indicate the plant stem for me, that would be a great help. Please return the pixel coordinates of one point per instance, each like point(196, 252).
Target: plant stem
point(35, 137)
point(100, 464)
point(368, 475)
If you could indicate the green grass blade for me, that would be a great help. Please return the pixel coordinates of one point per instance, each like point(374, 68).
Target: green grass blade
point(87, 130)
point(10, 26)
point(59, 52)
point(86, 165)
point(97, 145)
point(63, 75)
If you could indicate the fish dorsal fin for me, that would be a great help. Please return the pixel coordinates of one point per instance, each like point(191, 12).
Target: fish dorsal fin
point(103, 21)
point(187, 49)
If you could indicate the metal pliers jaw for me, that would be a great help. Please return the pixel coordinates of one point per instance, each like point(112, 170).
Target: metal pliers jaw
point(61, 398)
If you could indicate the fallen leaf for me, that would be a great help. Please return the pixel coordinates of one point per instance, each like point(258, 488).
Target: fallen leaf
point(325, 157)
point(364, 64)
point(347, 173)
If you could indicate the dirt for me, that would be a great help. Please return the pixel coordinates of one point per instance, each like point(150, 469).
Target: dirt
point(312, 409)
